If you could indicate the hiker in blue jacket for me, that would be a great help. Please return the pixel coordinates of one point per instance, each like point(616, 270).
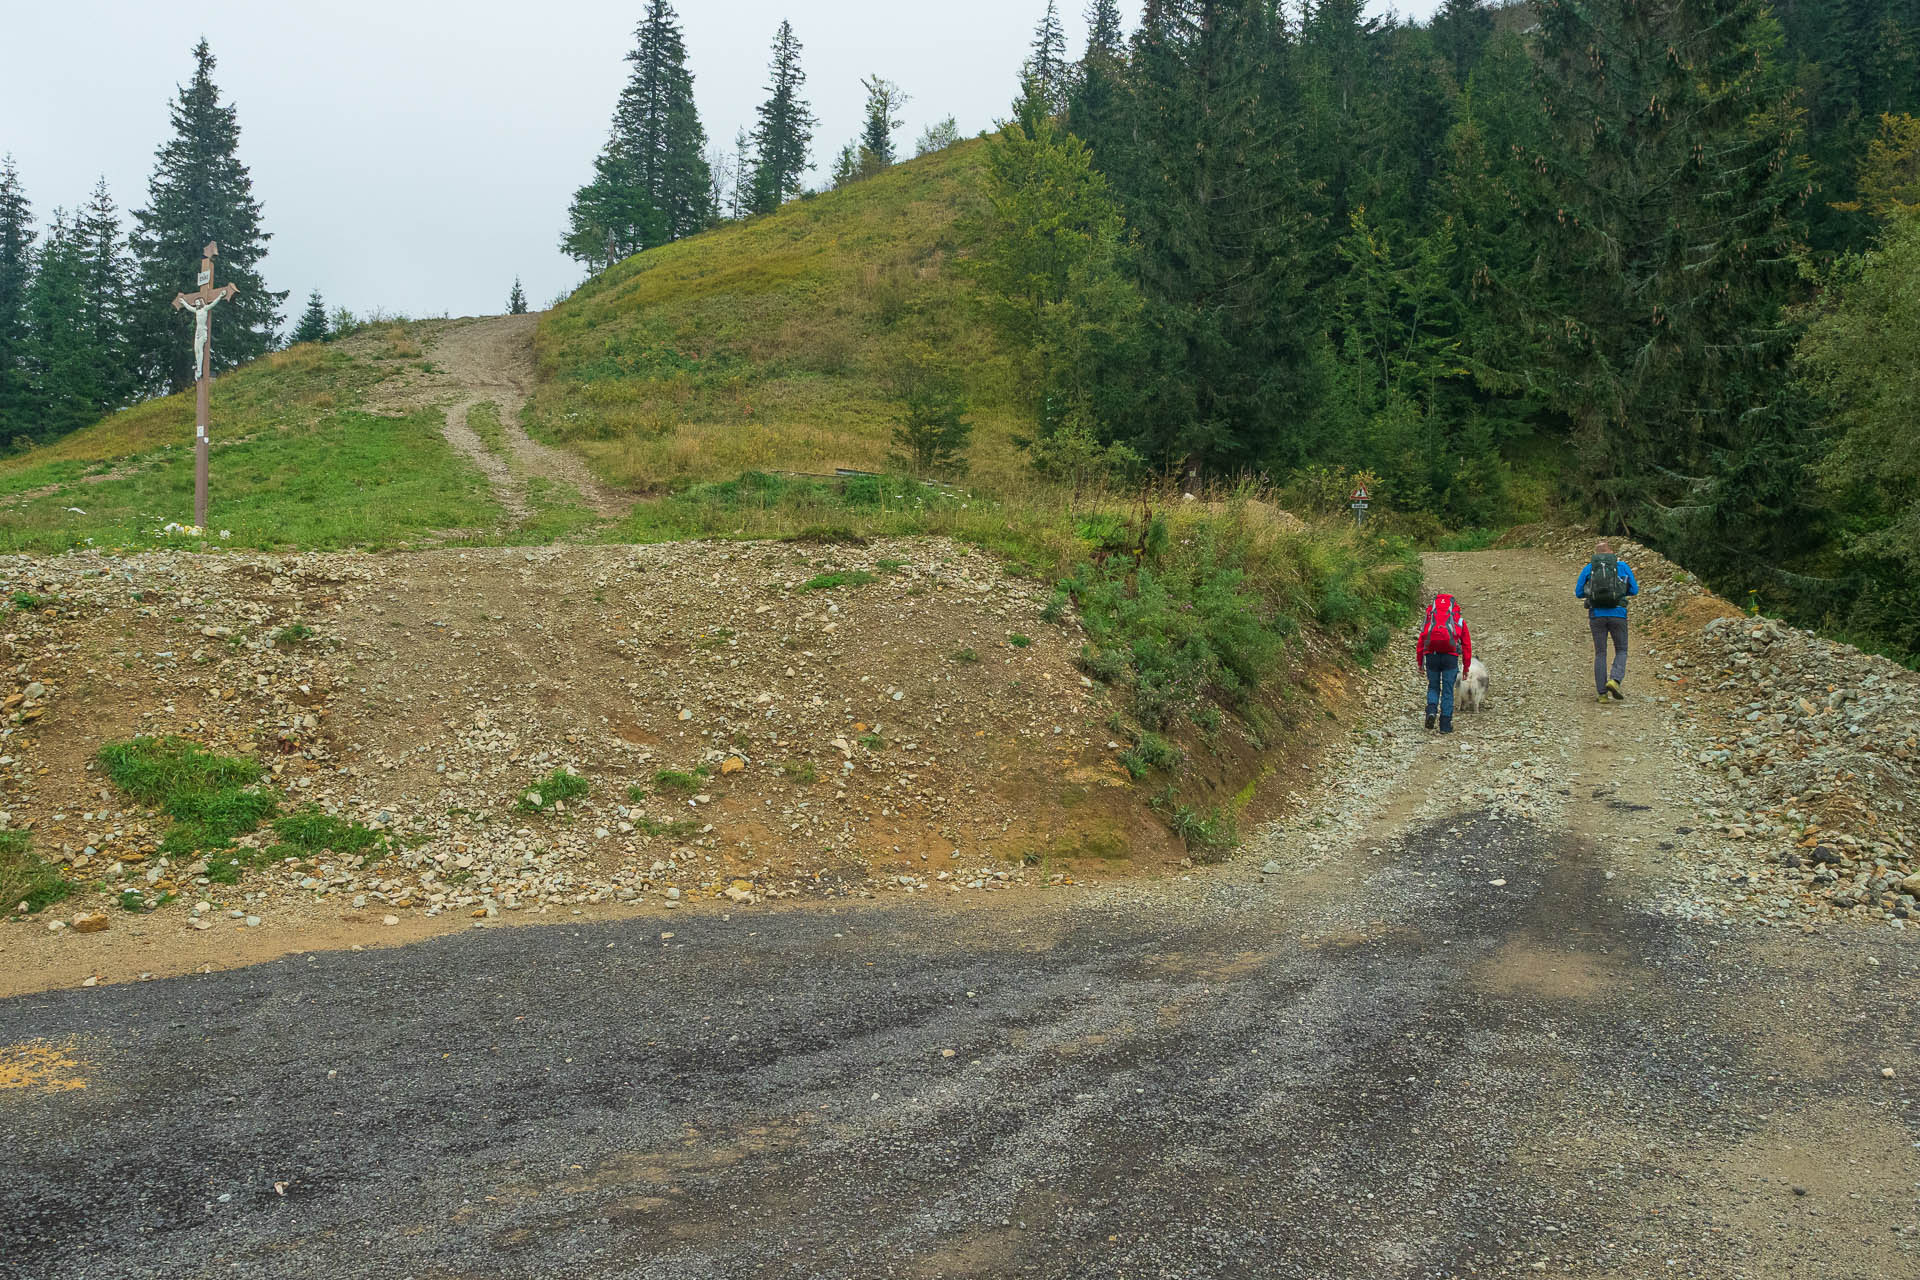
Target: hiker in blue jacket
point(1606, 584)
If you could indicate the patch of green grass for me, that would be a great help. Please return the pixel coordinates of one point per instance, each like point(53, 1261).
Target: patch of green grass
point(800, 771)
point(675, 780)
point(310, 831)
point(293, 636)
point(559, 785)
point(873, 742)
point(1150, 753)
point(26, 878)
point(1017, 640)
point(889, 565)
point(342, 479)
point(483, 420)
point(965, 655)
point(212, 799)
point(26, 601)
point(843, 578)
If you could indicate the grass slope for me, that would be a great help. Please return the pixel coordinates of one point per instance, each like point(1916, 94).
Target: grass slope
point(772, 344)
point(296, 462)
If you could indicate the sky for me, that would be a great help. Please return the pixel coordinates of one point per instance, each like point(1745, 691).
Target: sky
point(414, 156)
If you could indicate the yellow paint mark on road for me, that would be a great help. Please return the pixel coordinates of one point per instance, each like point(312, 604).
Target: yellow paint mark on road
point(43, 1066)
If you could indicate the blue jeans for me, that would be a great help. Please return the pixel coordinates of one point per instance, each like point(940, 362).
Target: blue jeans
point(1442, 670)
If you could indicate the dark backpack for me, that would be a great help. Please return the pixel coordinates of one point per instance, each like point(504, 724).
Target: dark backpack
point(1606, 589)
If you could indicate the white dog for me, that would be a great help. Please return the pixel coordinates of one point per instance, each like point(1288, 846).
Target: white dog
point(1471, 692)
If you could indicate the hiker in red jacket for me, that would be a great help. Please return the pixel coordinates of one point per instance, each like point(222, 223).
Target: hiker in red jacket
point(1443, 651)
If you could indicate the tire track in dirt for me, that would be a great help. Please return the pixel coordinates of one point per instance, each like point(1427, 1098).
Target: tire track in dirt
point(490, 359)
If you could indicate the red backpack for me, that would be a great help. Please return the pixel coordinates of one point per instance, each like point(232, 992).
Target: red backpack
point(1440, 633)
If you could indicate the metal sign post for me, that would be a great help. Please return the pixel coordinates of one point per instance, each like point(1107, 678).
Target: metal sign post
point(201, 303)
point(1359, 501)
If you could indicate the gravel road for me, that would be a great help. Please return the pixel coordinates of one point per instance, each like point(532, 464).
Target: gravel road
point(1473, 1019)
point(1410, 1073)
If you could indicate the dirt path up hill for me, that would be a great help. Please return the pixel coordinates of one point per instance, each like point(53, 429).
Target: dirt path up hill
point(490, 360)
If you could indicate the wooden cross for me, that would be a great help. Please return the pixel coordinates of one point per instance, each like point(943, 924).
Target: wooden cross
point(201, 303)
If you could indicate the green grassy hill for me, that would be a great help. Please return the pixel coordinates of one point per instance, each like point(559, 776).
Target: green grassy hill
point(298, 461)
point(772, 344)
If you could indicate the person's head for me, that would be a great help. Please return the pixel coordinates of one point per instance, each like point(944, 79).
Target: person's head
point(1603, 548)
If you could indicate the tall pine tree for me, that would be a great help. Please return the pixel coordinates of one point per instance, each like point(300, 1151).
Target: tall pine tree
point(651, 182)
point(1671, 246)
point(16, 273)
point(1096, 100)
point(63, 361)
point(1225, 226)
point(1047, 67)
point(107, 287)
point(199, 192)
point(783, 132)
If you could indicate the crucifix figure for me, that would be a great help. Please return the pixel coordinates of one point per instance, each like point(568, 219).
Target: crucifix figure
point(201, 303)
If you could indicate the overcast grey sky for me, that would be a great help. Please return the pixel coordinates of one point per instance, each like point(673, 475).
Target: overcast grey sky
point(416, 155)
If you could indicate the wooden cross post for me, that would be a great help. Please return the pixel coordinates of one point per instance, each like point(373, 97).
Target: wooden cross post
point(201, 303)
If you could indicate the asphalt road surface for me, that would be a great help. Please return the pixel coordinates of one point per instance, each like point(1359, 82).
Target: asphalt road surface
point(1397, 1070)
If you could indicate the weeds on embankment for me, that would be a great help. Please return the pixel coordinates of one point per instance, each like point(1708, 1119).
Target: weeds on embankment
point(27, 881)
point(1188, 604)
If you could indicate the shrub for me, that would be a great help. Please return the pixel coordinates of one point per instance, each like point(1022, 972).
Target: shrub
point(1150, 753)
point(932, 431)
point(1017, 640)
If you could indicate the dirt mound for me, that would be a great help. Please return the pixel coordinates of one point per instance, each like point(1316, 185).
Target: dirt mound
point(752, 720)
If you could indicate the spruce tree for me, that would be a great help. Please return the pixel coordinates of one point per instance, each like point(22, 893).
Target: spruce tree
point(1461, 31)
point(107, 285)
point(1225, 226)
point(846, 166)
point(199, 192)
point(517, 300)
point(1055, 276)
point(313, 321)
point(884, 100)
point(651, 181)
point(1047, 64)
point(16, 274)
point(63, 362)
point(1096, 100)
point(783, 132)
point(1671, 246)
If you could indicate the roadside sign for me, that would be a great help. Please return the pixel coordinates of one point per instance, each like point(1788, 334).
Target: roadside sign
point(1361, 495)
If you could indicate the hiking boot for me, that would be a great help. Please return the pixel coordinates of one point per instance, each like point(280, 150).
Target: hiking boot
point(1430, 719)
point(1446, 724)
point(1604, 699)
point(1613, 691)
